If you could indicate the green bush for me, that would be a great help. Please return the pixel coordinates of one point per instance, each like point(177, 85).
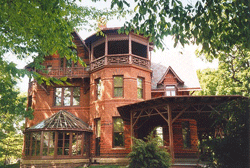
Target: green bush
point(147, 154)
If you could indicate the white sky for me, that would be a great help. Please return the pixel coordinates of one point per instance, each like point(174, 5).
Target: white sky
point(188, 50)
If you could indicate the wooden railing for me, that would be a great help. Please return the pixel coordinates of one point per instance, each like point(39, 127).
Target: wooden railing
point(73, 72)
point(119, 59)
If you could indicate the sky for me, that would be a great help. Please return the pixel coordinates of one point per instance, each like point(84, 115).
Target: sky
point(187, 51)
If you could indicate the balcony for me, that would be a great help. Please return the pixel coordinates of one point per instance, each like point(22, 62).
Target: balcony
point(120, 59)
point(72, 72)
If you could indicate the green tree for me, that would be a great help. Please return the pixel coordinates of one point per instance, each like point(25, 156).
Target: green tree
point(220, 27)
point(217, 25)
point(147, 154)
point(230, 150)
point(12, 112)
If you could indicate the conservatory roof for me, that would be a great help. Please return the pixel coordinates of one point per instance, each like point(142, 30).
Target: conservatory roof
point(62, 120)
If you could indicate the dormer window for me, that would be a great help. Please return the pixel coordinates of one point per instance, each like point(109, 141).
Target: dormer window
point(170, 91)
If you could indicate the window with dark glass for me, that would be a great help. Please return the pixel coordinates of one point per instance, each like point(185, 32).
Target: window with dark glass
point(99, 50)
point(118, 86)
point(186, 134)
point(140, 88)
point(139, 49)
point(67, 96)
point(63, 143)
point(170, 91)
point(118, 136)
point(118, 47)
point(159, 135)
point(98, 89)
point(48, 143)
point(27, 144)
point(36, 142)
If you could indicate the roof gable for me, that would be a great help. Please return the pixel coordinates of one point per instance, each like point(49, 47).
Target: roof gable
point(170, 70)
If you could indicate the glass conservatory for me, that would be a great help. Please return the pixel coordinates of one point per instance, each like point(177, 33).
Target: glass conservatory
point(63, 135)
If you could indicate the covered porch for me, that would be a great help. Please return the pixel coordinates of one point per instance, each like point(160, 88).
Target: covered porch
point(184, 121)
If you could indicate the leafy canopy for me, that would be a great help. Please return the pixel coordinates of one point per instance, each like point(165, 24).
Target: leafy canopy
point(217, 25)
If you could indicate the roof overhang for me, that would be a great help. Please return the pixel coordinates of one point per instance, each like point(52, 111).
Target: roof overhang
point(174, 101)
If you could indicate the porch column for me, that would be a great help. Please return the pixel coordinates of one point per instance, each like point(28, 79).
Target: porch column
point(170, 130)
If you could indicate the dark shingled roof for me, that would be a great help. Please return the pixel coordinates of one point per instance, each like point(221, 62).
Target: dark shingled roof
point(63, 120)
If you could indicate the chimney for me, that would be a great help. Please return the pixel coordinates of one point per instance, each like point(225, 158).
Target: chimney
point(102, 23)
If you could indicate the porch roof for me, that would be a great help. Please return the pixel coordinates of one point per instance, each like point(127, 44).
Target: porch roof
point(190, 103)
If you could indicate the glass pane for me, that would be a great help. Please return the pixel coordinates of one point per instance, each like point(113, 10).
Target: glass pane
point(98, 128)
point(76, 101)
point(159, 134)
point(51, 151)
point(170, 87)
point(98, 88)
point(118, 125)
point(66, 101)
point(76, 91)
point(118, 139)
point(168, 93)
point(118, 81)
point(173, 92)
point(59, 151)
point(66, 151)
point(118, 92)
point(186, 134)
point(58, 101)
point(139, 93)
point(139, 82)
point(67, 92)
point(38, 148)
point(58, 92)
point(45, 151)
point(79, 146)
point(60, 143)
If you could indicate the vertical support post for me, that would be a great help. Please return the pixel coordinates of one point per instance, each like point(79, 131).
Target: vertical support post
point(129, 48)
point(106, 45)
point(131, 128)
point(171, 135)
point(106, 51)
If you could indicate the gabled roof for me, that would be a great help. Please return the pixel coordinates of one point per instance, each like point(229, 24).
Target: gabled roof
point(62, 120)
point(180, 63)
point(170, 69)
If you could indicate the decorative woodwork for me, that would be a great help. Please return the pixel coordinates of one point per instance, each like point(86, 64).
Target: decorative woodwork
point(120, 59)
point(72, 72)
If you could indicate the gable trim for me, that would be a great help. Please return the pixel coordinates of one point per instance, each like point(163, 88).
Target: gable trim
point(167, 71)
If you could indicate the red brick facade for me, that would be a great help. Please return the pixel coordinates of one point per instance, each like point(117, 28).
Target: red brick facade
point(130, 67)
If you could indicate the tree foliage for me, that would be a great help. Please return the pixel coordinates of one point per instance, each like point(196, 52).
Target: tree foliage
point(231, 78)
point(231, 150)
point(218, 25)
point(147, 154)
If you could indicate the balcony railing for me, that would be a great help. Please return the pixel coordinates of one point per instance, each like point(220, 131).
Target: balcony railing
point(120, 59)
point(73, 72)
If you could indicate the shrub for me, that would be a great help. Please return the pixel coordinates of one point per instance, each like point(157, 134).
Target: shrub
point(147, 154)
